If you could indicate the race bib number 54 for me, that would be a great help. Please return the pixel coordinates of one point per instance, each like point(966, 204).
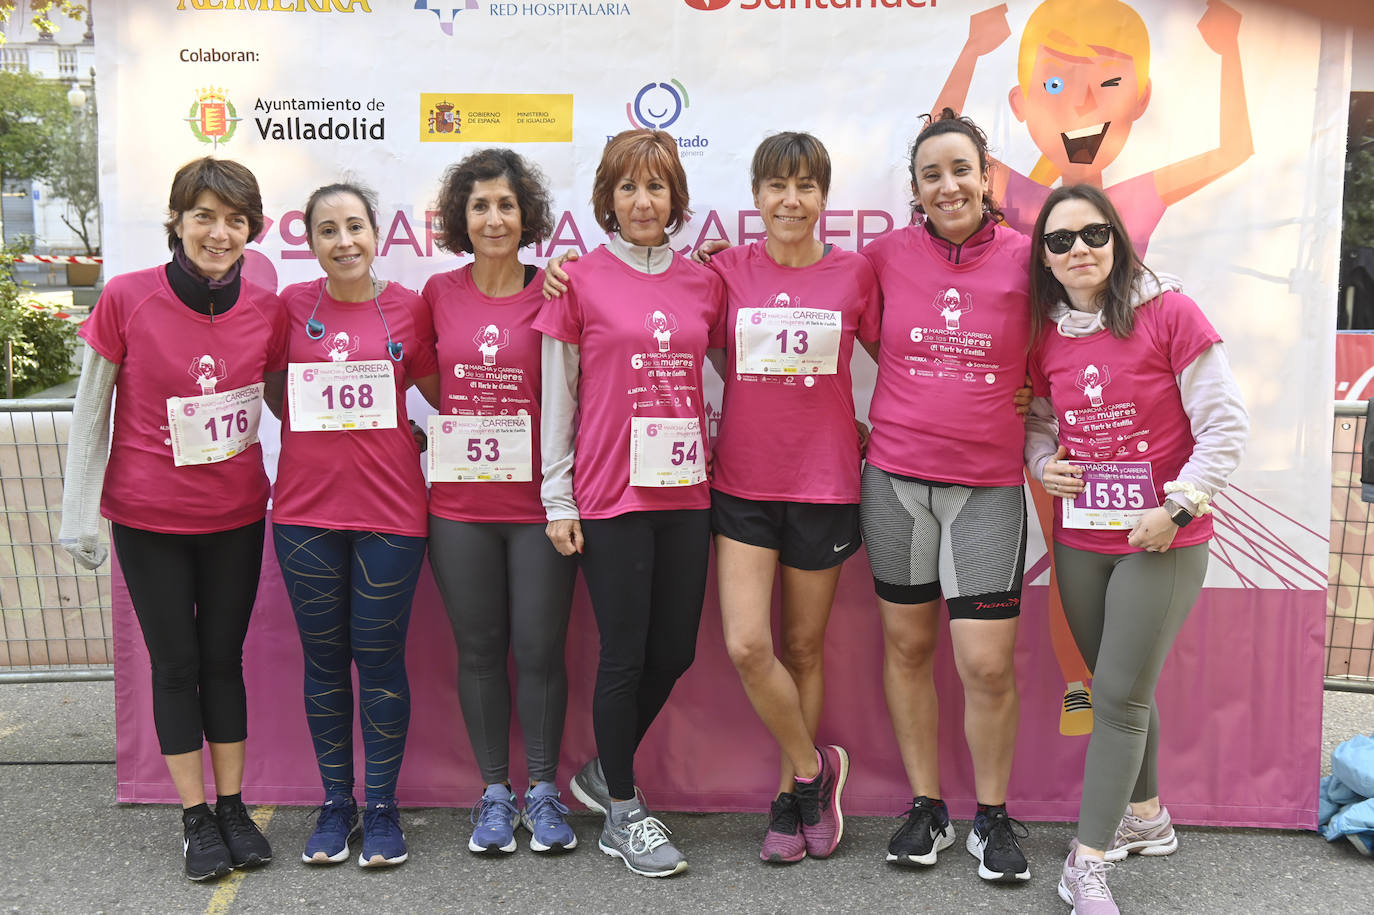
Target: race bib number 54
point(1115, 494)
point(331, 396)
point(666, 452)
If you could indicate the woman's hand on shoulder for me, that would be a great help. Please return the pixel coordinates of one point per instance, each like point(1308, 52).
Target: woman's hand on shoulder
point(703, 254)
point(555, 277)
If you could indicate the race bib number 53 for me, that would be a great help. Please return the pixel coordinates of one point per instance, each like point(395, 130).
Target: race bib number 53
point(331, 396)
point(666, 452)
point(1115, 494)
point(480, 449)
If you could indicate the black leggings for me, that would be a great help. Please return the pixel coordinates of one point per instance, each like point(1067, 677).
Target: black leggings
point(646, 574)
point(193, 595)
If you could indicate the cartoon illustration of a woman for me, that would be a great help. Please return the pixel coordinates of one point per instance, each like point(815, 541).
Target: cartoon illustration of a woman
point(1083, 80)
point(662, 327)
point(208, 372)
point(950, 306)
point(340, 346)
point(488, 340)
point(1092, 380)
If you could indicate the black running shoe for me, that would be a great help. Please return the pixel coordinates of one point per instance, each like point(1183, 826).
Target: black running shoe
point(206, 855)
point(247, 845)
point(993, 841)
point(926, 832)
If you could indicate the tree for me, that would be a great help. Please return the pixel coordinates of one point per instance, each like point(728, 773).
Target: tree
point(32, 112)
point(73, 175)
point(40, 12)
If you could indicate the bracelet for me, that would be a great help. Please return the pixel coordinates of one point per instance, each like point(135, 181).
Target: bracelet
point(1201, 500)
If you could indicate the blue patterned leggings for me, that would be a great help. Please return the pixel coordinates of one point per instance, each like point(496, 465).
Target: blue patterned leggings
point(351, 593)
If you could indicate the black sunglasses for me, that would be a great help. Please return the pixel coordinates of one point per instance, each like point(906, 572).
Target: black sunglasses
point(1094, 235)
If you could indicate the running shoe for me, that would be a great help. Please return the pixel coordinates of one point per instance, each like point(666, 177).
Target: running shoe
point(1076, 716)
point(206, 855)
point(493, 821)
point(1139, 836)
point(384, 843)
point(783, 842)
point(247, 845)
point(589, 787)
point(926, 832)
point(641, 841)
point(544, 816)
point(993, 841)
point(335, 827)
point(819, 802)
point(1083, 885)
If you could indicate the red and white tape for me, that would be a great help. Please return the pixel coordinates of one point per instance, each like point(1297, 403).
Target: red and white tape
point(58, 259)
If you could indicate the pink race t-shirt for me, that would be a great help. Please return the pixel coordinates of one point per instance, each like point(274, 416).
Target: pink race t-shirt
point(1118, 400)
point(489, 365)
point(787, 428)
point(358, 479)
point(165, 349)
point(953, 353)
point(642, 341)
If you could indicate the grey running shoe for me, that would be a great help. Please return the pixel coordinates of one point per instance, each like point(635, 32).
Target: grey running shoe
point(1138, 836)
point(1083, 885)
point(641, 841)
point(589, 787)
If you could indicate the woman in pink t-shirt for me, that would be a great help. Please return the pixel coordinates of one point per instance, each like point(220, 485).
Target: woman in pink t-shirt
point(943, 509)
point(1136, 425)
point(349, 512)
point(785, 473)
point(186, 345)
point(624, 454)
point(504, 585)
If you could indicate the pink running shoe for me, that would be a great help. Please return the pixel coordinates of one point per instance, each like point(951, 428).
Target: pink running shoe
point(819, 800)
point(783, 843)
point(1138, 836)
point(1085, 887)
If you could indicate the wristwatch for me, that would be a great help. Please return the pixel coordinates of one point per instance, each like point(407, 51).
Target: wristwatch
point(1177, 513)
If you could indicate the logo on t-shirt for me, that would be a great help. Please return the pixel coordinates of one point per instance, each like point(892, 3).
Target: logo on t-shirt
point(338, 347)
point(488, 340)
point(208, 372)
point(662, 327)
point(951, 304)
point(1092, 380)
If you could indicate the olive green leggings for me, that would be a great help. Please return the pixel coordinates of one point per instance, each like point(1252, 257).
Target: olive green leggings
point(1124, 611)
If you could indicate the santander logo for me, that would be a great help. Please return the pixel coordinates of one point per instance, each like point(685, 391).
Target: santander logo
point(708, 5)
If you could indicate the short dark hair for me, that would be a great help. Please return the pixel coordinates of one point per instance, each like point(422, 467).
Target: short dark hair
point(525, 179)
point(366, 195)
point(1118, 314)
point(627, 153)
point(948, 121)
point(231, 182)
point(790, 153)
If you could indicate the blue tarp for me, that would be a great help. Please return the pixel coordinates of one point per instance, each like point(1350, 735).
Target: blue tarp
point(1346, 805)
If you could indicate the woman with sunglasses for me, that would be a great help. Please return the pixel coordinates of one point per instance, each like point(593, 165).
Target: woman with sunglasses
point(184, 343)
point(943, 509)
point(624, 452)
point(350, 514)
point(1137, 423)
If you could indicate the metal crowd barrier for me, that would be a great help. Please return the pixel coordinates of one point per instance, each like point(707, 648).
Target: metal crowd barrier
point(56, 615)
point(1350, 593)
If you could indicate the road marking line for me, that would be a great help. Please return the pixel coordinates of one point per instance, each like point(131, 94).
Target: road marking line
point(228, 888)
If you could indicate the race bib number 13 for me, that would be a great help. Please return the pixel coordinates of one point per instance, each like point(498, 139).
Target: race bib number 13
point(332, 396)
point(666, 452)
point(213, 427)
point(787, 341)
point(1115, 494)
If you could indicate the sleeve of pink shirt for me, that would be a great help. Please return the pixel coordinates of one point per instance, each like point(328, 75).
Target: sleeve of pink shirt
point(715, 339)
point(561, 318)
point(1188, 331)
point(104, 329)
point(425, 361)
point(870, 314)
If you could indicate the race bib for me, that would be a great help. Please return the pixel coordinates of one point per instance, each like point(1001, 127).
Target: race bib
point(1115, 494)
point(330, 396)
point(787, 341)
point(213, 427)
point(480, 449)
point(666, 452)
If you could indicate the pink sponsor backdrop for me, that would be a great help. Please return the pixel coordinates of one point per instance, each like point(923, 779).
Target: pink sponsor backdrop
point(1240, 701)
